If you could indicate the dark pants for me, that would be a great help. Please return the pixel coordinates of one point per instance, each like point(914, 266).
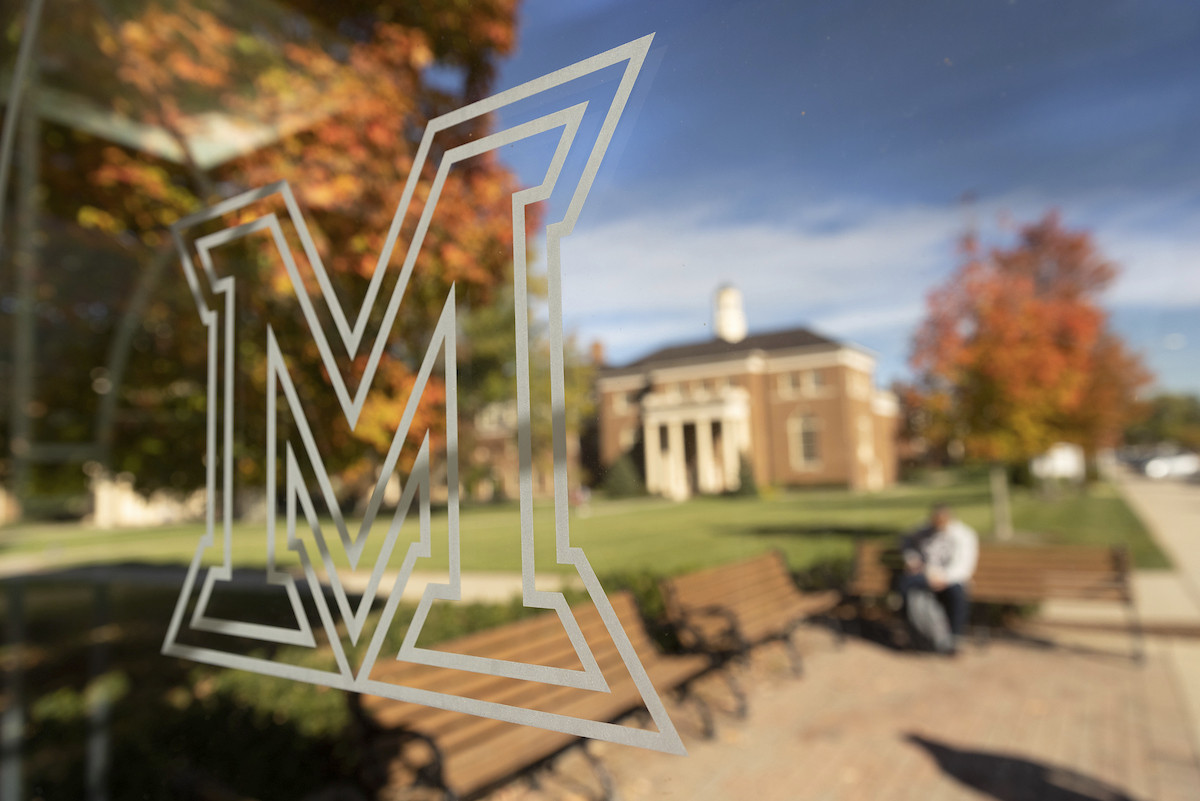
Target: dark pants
point(955, 599)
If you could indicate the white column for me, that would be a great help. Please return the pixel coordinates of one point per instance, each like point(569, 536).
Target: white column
point(652, 448)
point(676, 485)
point(704, 456)
point(729, 451)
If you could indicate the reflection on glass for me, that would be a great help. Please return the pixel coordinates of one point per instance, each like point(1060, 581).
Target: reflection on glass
point(838, 264)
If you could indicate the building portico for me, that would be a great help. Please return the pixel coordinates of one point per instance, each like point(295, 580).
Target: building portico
point(693, 443)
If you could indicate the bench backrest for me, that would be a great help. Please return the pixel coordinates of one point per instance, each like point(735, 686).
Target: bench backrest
point(538, 639)
point(1015, 573)
point(738, 586)
point(476, 752)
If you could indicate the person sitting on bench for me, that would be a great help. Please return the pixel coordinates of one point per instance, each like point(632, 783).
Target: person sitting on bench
point(940, 557)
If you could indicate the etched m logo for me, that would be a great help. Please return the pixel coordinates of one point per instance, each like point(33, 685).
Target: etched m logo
point(364, 334)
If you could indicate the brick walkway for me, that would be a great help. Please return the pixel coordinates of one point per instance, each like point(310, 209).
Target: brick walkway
point(1010, 721)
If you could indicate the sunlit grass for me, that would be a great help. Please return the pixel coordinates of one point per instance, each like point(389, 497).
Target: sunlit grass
point(634, 535)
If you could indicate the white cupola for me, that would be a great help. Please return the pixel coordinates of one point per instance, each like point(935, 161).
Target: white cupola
point(729, 318)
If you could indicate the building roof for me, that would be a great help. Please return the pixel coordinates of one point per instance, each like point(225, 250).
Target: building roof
point(715, 349)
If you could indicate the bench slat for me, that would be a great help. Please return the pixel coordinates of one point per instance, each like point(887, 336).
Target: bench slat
point(477, 752)
point(1017, 573)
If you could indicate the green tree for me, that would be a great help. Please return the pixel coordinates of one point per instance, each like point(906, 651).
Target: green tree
point(622, 480)
point(1170, 418)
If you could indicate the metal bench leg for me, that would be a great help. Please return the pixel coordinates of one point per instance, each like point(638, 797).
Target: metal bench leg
point(741, 702)
point(839, 631)
point(1139, 637)
point(795, 657)
point(607, 786)
point(983, 636)
point(708, 726)
point(837, 627)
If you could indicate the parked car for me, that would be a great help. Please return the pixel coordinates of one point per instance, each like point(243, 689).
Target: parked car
point(1179, 465)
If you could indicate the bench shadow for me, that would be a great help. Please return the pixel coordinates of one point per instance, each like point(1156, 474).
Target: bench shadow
point(1012, 778)
point(917, 504)
point(168, 728)
point(1020, 635)
point(817, 530)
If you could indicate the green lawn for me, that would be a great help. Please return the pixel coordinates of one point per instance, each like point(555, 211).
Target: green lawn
point(215, 716)
point(645, 535)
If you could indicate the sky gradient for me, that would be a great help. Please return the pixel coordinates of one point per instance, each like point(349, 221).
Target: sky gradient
point(824, 157)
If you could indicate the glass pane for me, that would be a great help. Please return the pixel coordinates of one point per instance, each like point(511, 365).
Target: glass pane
point(392, 394)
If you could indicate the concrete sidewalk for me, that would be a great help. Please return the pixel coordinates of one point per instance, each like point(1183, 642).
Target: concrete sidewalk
point(1168, 601)
point(1009, 722)
point(1163, 600)
point(1067, 718)
point(1171, 510)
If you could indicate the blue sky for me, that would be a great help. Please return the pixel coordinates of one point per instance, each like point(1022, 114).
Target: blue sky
point(818, 154)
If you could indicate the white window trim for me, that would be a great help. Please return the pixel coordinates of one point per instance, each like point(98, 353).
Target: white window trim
point(795, 433)
point(785, 385)
point(811, 389)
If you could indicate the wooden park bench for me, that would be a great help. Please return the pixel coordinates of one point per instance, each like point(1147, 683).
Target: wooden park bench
point(726, 610)
point(1018, 574)
point(465, 755)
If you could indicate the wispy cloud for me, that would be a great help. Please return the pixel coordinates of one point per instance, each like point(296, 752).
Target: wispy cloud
point(842, 267)
point(1159, 269)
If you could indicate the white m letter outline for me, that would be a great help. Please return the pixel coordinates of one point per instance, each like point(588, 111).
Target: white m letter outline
point(214, 298)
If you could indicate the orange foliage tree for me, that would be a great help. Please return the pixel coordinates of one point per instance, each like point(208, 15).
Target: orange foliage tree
point(338, 110)
point(1015, 352)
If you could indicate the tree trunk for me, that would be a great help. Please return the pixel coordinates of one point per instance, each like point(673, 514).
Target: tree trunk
point(117, 360)
point(1001, 510)
point(25, 260)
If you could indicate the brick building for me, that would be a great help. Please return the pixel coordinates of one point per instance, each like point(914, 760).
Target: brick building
point(800, 407)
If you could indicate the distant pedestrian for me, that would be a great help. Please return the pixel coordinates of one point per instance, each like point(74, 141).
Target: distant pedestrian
point(939, 561)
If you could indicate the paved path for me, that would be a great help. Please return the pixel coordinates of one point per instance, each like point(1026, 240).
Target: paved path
point(1171, 510)
point(1009, 722)
point(1012, 722)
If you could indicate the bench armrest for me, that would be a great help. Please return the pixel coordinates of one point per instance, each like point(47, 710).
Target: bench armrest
point(695, 634)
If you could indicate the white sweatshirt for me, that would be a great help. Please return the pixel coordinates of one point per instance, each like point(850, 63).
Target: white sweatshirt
point(949, 555)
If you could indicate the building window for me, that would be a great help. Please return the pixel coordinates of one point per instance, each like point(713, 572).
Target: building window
point(804, 441)
point(810, 443)
point(662, 438)
point(785, 385)
point(813, 382)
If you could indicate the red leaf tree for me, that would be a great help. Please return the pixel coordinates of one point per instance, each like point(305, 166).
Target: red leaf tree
point(1015, 352)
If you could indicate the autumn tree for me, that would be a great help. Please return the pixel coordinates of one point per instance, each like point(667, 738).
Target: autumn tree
point(1015, 352)
point(344, 114)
